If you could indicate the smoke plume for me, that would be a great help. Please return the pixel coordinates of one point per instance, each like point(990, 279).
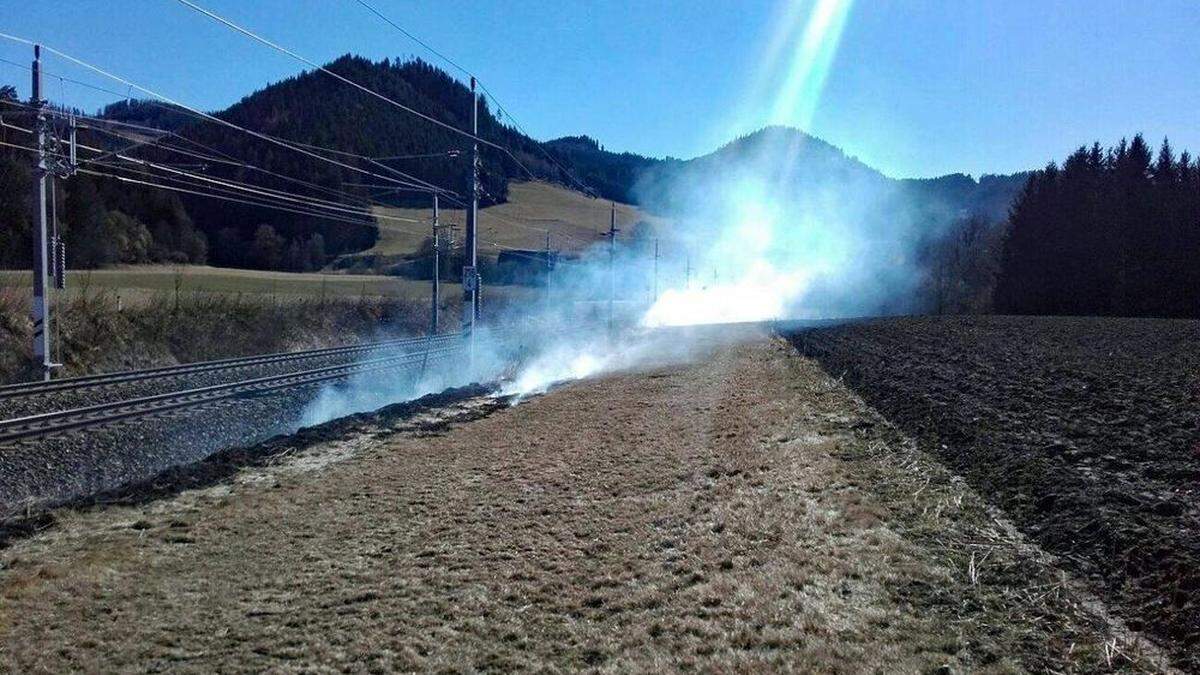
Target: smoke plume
point(775, 226)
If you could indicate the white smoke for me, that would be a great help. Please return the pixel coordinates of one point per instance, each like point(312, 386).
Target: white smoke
point(429, 370)
point(776, 226)
point(782, 226)
point(779, 227)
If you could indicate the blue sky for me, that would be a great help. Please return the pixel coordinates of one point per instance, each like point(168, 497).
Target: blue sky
point(912, 87)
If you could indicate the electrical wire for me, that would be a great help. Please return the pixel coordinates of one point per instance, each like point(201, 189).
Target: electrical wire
point(231, 162)
point(292, 145)
point(486, 91)
point(367, 90)
point(310, 202)
point(127, 179)
point(220, 193)
point(416, 39)
point(429, 187)
point(194, 192)
point(298, 146)
point(384, 216)
point(179, 109)
point(216, 193)
point(243, 165)
point(447, 153)
point(204, 115)
point(262, 191)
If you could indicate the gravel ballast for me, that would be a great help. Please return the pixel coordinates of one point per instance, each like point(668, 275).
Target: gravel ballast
point(40, 473)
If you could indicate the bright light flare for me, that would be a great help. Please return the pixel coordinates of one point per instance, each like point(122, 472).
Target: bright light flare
point(763, 294)
point(812, 58)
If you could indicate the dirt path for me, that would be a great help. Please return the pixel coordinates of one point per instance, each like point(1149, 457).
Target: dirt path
point(741, 512)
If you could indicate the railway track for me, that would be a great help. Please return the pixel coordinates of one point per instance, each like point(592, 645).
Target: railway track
point(63, 421)
point(25, 389)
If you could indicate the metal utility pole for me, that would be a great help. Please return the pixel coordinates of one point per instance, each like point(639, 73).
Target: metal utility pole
point(612, 270)
point(58, 267)
point(549, 266)
point(656, 269)
point(41, 308)
point(470, 280)
point(437, 270)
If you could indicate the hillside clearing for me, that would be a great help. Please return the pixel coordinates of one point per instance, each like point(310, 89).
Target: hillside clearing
point(573, 219)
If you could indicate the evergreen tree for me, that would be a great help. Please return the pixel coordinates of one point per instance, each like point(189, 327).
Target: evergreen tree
point(85, 226)
point(268, 248)
point(315, 251)
point(1110, 233)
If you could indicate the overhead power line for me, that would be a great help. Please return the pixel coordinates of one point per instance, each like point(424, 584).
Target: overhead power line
point(207, 116)
point(303, 148)
point(416, 39)
point(180, 109)
point(231, 191)
point(488, 214)
point(482, 85)
point(427, 155)
point(127, 179)
point(241, 164)
point(98, 125)
point(217, 193)
point(227, 191)
point(262, 191)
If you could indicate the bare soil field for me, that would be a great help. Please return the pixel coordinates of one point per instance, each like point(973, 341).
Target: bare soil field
point(742, 512)
point(1084, 430)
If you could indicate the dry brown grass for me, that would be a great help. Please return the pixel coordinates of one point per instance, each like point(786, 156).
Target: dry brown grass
point(149, 316)
point(142, 282)
point(739, 514)
point(99, 332)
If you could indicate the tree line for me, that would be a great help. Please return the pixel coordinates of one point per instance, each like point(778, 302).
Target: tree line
point(100, 221)
point(1113, 232)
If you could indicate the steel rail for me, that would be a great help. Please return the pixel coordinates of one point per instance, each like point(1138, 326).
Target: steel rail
point(46, 424)
point(104, 379)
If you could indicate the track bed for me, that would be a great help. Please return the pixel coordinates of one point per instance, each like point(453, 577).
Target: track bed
point(1083, 429)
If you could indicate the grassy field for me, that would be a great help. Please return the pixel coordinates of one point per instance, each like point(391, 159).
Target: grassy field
point(574, 221)
point(132, 317)
point(137, 282)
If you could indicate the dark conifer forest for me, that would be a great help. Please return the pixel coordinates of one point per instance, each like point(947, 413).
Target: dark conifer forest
point(1111, 232)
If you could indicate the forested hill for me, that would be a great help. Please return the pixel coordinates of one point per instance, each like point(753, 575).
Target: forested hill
point(611, 175)
point(795, 160)
point(316, 109)
point(108, 222)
